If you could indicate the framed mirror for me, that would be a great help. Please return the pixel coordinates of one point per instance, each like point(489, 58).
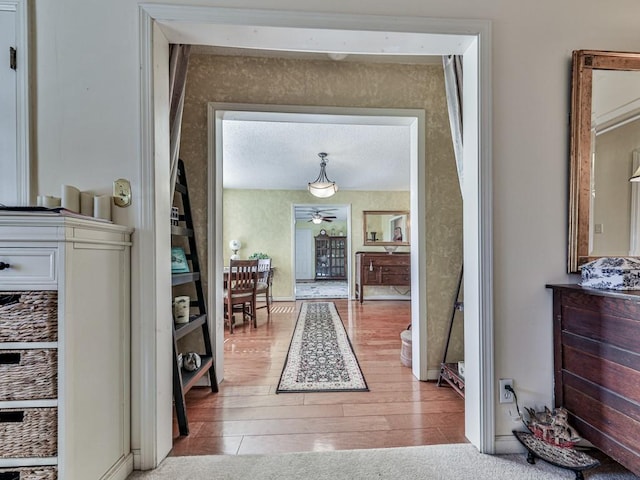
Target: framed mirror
point(604, 206)
point(386, 228)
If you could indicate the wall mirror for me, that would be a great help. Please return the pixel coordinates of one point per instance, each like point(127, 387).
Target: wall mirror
point(604, 206)
point(386, 228)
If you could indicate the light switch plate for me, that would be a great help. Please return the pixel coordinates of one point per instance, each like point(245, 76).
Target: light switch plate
point(122, 192)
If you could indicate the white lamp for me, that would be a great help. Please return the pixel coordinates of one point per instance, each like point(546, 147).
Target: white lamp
point(322, 187)
point(235, 245)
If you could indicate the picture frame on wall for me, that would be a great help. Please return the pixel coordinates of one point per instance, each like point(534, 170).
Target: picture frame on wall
point(179, 263)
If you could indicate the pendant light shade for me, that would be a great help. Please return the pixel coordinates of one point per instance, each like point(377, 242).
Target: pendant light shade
point(322, 187)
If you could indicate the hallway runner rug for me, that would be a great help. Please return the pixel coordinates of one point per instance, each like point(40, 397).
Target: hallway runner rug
point(321, 358)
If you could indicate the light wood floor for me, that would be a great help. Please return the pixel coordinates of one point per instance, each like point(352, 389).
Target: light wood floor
point(247, 417)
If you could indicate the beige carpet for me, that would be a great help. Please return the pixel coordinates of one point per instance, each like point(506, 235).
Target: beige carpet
point(459, 462)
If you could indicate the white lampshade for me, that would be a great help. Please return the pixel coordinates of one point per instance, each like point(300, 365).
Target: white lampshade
point(322, 187)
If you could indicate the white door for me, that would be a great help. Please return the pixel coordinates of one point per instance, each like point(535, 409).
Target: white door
point(304, 254)
point(9, 109)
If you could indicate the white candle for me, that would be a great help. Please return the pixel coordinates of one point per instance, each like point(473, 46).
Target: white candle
point(86, 204)
point(102, 207)
point(70, 198)
point(51, 202)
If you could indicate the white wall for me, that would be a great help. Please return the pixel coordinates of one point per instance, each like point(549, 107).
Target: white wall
point(87, 114)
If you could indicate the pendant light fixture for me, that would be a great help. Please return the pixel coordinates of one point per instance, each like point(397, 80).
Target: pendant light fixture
point(322, 187)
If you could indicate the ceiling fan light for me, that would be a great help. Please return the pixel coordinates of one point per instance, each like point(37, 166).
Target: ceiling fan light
point(317, 220)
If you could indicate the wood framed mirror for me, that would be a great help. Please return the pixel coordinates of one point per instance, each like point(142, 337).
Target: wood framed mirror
point(604, 207)
point(386, 227)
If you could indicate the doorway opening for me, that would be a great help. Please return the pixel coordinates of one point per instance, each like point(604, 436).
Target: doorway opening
point(401, 129)
point(162, 24)
point(322, 253)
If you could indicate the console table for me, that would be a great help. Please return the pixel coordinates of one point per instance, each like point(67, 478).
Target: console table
point(379, 268)
point(597, 367)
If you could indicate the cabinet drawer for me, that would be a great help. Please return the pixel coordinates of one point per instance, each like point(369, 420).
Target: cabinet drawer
point(28, 266)
point(29, 473)
point(391, 260)
point(29, 316)
point(401, 279)
point(28, 432)
point(28, 374)
point(396, 270)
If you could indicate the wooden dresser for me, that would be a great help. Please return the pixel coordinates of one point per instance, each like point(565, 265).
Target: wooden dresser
point(597, 367)
point(381, 268)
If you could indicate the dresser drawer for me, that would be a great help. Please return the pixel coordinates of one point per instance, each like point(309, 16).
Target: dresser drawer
point(28, 316)
point(391, 260)
point(28, 432)
point(27, 266)
point(30, 374)
point(396, 270)
point(30, 473)
point(401, 279)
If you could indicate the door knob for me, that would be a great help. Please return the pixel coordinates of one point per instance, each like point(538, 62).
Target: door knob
point(4, 265)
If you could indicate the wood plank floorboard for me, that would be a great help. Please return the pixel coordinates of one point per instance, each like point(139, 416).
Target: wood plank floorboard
point(247, 417)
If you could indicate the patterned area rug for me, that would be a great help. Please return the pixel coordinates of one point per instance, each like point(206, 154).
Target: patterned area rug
point(320, 358)
point(322, 289)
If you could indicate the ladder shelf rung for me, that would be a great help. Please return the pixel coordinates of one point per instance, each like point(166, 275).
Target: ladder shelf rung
point(183, 329)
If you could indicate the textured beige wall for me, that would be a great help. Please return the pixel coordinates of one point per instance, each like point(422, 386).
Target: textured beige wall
point(328, 83)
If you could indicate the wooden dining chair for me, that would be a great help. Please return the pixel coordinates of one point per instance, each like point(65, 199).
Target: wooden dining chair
point(264, 283)
point(240, 291)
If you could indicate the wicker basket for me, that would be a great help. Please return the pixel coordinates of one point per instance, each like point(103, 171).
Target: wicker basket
point(31, 473)
point(29, 316)
point(28, 374)
point(29, 432)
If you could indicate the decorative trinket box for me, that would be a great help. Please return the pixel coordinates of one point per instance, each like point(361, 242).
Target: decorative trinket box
point(615, 273)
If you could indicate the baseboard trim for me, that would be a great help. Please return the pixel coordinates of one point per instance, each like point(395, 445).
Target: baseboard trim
point(121, 470)
point(508, 444)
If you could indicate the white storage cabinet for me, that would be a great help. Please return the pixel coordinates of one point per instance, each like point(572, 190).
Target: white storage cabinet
point(64, 348)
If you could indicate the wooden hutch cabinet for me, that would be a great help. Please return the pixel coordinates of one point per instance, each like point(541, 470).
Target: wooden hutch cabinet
point(331, 257)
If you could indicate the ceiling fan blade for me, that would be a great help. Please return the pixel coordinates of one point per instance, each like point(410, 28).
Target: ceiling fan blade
point(329, 216)
point(327, 220)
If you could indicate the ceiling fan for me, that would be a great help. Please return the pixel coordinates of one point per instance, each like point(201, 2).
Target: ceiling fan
point(319, 216)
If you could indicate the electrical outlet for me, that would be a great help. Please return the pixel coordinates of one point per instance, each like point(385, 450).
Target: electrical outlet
point(505, 395)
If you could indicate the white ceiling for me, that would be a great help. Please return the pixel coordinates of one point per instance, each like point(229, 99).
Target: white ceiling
point(280, 151)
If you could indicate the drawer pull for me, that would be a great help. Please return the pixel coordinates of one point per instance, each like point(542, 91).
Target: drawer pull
point(12, 417)
point(9, 299)
point(4, 265)
point(10, 476)
point(12, 358)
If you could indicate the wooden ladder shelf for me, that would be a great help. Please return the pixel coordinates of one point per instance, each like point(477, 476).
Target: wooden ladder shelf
point(449, 371)
point(183, 234)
